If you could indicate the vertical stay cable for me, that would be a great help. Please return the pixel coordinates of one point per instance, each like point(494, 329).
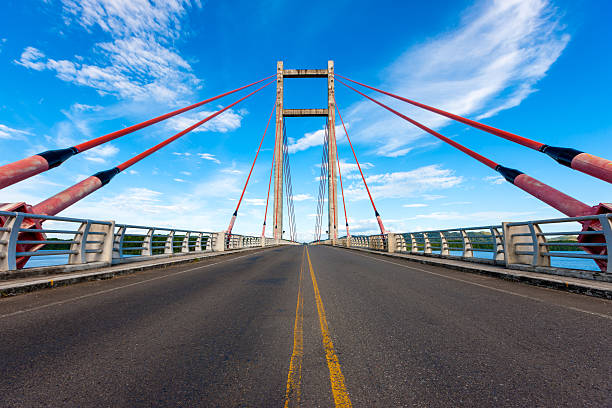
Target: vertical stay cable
point(378, 219)
point(288, 187)
point(231, 224)
point(348, 235)
point(263, 230)
point(322, 187)
point(294, 228)
point(329, 197)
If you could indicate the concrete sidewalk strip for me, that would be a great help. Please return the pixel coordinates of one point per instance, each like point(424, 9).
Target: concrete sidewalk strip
point(23, 285)
point(576, 285)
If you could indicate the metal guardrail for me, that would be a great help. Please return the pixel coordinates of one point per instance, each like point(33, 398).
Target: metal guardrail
point(475, 243)
point(528, 244)
point(136, 241)
point(86, 241)
point(512, 243)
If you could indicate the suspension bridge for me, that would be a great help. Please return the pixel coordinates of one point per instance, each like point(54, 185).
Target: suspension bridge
point(214, 318)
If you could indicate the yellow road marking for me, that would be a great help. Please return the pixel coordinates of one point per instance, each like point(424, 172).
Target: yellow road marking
point(294, 378)
point(341, 397)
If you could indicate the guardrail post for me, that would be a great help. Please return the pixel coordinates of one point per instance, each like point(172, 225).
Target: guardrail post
point(427, 244)
point(391, 242)
point(10, 237)
point(80, 245)
point(95, 243)
point(540, 252)
point(606, 227)
point(198, 244)
point(444, 249)
point(400, 243)
point(185, 247)
point(498, 245)
point(218, 241)
point(413, 244)
point(524, 235)
point(108, 242)
point(147, 243)
point(209, 242)
point(169, 245)
point(118, 242)
point(467, 245)
point(511, 240)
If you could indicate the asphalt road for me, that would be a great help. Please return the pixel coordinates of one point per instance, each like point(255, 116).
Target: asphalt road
point(324, 327)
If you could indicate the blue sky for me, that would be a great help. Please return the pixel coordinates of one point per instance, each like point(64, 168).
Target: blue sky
point(73, 70)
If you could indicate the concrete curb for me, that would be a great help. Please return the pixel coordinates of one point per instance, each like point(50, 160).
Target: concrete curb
point(575, 285)
point(8, 288)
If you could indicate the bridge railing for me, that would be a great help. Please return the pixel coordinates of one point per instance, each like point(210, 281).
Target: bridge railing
point(528, 244)
point(484, 243)
point(77, 241)
point(538, 245)
point(132, 242)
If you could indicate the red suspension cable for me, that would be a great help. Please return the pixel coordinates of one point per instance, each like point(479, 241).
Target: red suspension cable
point(555, 198)
point(584, 162)
point(22, 169)
point(231, 224)
point(106, 138)
point(456, 145)
point(166, 142)
point(71, 195)
point(532, 144)
point(378, 219)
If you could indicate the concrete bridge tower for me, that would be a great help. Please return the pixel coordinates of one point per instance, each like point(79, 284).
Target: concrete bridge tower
point(281, 114)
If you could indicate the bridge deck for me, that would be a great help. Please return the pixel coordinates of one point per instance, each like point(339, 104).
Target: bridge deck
point(221, 333)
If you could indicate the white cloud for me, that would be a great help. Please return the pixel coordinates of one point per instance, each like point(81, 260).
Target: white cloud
point(302, 197)
point(95, 159)
point(208, 156)
point(456, 203)
point(10, 133)
point(480, 216)
point(255, 201)
point(494, 179)
point(178, 180)
point(186, 173)
point(225, 122)
point(313, 139)
point(233, 170)
point(100, 153)
point(415, 205)
point(80, 107)
point(30, 58)
point(404, 183)
point(480, 68)
point(347, 169)
point(139, 63)
point(432, 197)
point(126, 18)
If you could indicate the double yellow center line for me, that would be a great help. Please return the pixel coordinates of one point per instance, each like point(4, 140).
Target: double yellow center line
point(338, 387)
point(294, 378)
